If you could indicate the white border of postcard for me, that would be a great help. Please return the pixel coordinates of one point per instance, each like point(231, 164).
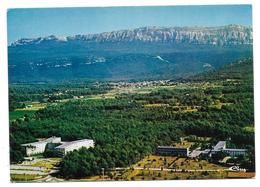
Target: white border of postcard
point(4, 129)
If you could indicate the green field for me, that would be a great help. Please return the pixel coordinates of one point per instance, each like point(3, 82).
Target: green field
point(25, 177)
point(249, 129)
point(20, 113)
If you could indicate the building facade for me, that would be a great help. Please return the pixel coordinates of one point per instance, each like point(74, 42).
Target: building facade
point(173, 151)
point(235, 152)
point(39, 147)
point(66, 147)
point(54, 143)
point(221, 146)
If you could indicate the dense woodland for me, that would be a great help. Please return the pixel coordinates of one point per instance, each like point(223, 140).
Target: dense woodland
point(127, 128)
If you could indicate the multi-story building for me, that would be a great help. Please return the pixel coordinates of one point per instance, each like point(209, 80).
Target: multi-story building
point(235, 152)
point(170, 150)
point(54, 143)
point(40, 146)
point(66, 147)
point(221, 146)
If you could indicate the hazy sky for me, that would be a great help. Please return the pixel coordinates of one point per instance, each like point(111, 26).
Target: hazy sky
point(29, 23)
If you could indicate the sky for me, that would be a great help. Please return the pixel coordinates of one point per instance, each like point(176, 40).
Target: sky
point(36, 22)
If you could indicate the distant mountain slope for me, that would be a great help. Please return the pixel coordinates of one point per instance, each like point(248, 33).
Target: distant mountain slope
point(241, 70)
point(142, 53)
point(225, 35)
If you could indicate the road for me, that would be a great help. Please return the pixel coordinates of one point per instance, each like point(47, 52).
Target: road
point(26, 167)
point(29, 172)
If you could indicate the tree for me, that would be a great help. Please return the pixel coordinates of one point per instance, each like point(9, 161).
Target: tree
point(216, 157)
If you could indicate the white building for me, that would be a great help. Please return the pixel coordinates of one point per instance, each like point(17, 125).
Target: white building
point(221, 146)
point(75, 145)
point(235, 152)
point(40, 146)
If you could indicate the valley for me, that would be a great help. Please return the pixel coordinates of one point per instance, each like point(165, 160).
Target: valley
point(131, 93)
point(128, 120)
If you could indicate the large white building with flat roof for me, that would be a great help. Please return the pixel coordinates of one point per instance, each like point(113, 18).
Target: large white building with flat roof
point(235, 152)
point(221, 146)
point(56, 144)
point(39, 147)
point(66, 147)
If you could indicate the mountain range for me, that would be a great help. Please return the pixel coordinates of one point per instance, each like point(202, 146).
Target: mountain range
point(225, 35)
point(141, 53)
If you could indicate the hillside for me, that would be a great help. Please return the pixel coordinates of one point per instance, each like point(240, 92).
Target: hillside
point(128, 126)
point(239, 70)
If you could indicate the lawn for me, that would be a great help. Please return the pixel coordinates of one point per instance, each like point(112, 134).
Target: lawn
point(31, 108)
point(168, 175)
point(249, 129)
point(34, 106)
point(20, 113)
point(154, 161)
point(48, 163)
point(25, 177)
point(44, 163)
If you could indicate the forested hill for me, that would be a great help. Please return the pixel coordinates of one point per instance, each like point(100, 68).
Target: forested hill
point(238, 70)
point(130, 126)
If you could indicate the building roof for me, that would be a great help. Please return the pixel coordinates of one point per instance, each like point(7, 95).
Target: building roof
point(40, 142)
point(171, 147)
point(206, 151)
point(235, 149)
point(67, 144)
point(220, 145)
point(33, 143)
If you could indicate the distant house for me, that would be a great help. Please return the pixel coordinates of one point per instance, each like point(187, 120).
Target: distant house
point(173, 151)
point(40, 146)
point(66, 147)
point(29, 106)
